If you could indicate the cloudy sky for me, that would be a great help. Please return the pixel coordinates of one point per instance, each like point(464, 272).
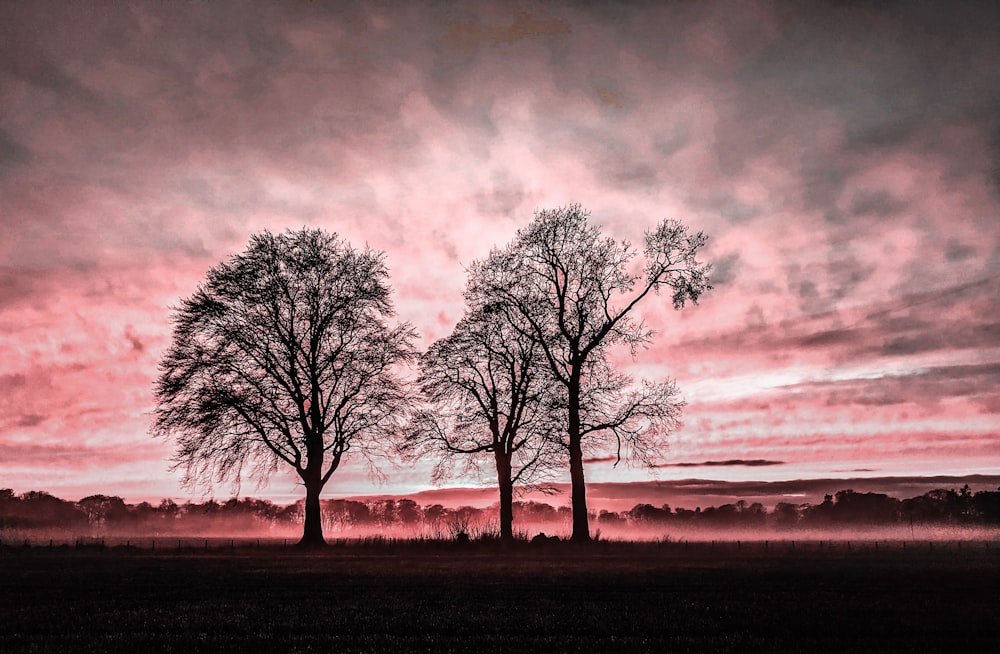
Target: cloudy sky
point(844, 160)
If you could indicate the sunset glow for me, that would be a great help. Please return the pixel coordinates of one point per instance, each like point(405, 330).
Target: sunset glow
point(844, 162)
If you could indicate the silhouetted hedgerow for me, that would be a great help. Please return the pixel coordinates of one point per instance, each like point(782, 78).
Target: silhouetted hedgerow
point(109, 514)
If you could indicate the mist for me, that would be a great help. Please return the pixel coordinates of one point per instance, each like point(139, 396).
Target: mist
point(847, 515)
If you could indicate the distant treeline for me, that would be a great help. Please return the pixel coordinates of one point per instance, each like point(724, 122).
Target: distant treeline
point(41, 510)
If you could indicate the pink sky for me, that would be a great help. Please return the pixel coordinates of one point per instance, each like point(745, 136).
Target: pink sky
point(845, 162)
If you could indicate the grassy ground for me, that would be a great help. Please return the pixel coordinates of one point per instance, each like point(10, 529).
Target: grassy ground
point(444, 597)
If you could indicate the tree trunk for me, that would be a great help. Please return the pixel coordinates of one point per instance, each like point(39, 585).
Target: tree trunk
point(312, 534)
point(312, 477)
point(506, 497)
point(581, 524)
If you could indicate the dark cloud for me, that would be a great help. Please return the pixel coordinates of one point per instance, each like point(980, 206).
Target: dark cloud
point(886, 69)
point(672, 140)
point(923, 388)
point(751, 463)
point(956, 251)
point(995, 160)
point(15, 286)
point(845, 274)
point(609, 97)
point(927, 327)
point(446, 244)
point(29, 420)
point(809, 297)
point(505, 197)
point(70, 455)
point(727, 206)
point(918, 324)
point(133, 340)
point(27, 63)
point(878, 203)
point(830, 337)
point(467, 36)
point(8, 382)
point(601, 459)
point(12, 153)
point(725, 268)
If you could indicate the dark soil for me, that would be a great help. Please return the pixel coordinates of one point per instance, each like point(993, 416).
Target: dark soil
point(442, 597)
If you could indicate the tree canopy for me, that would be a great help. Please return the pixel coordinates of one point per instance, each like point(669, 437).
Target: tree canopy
point(284, 356)
point(573, 291)
point(489, 395)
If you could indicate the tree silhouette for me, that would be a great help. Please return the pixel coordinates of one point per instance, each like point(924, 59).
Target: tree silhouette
point(284, 356)
point(490, 395)
point(101, 509)
point(575, 290)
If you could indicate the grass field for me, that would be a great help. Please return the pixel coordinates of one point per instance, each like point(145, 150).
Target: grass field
point(441, 597)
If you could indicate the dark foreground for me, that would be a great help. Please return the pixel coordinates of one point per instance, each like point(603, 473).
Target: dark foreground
point(440, 598)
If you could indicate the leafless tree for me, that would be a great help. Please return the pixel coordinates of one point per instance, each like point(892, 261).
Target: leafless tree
point(488, 392)
point(283, 356)
point(573, 291)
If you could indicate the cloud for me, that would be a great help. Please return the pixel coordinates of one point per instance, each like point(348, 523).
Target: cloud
point(12, 153)
point(600, 459)
point(842, 158)
point(134, 341)
point(467, 36)
point(609, 97)
point(751, 463)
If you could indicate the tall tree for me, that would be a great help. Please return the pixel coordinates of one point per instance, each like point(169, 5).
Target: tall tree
point(574, 291)
point(283, 356)
point(489, 395)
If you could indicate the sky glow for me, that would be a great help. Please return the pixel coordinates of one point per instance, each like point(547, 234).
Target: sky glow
point(844, 161)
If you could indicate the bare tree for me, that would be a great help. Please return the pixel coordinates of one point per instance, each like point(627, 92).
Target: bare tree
point(488, 392)
point(283, 357)
point(574, 291)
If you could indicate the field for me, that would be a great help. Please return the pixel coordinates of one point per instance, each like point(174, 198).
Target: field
point(441, 597)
